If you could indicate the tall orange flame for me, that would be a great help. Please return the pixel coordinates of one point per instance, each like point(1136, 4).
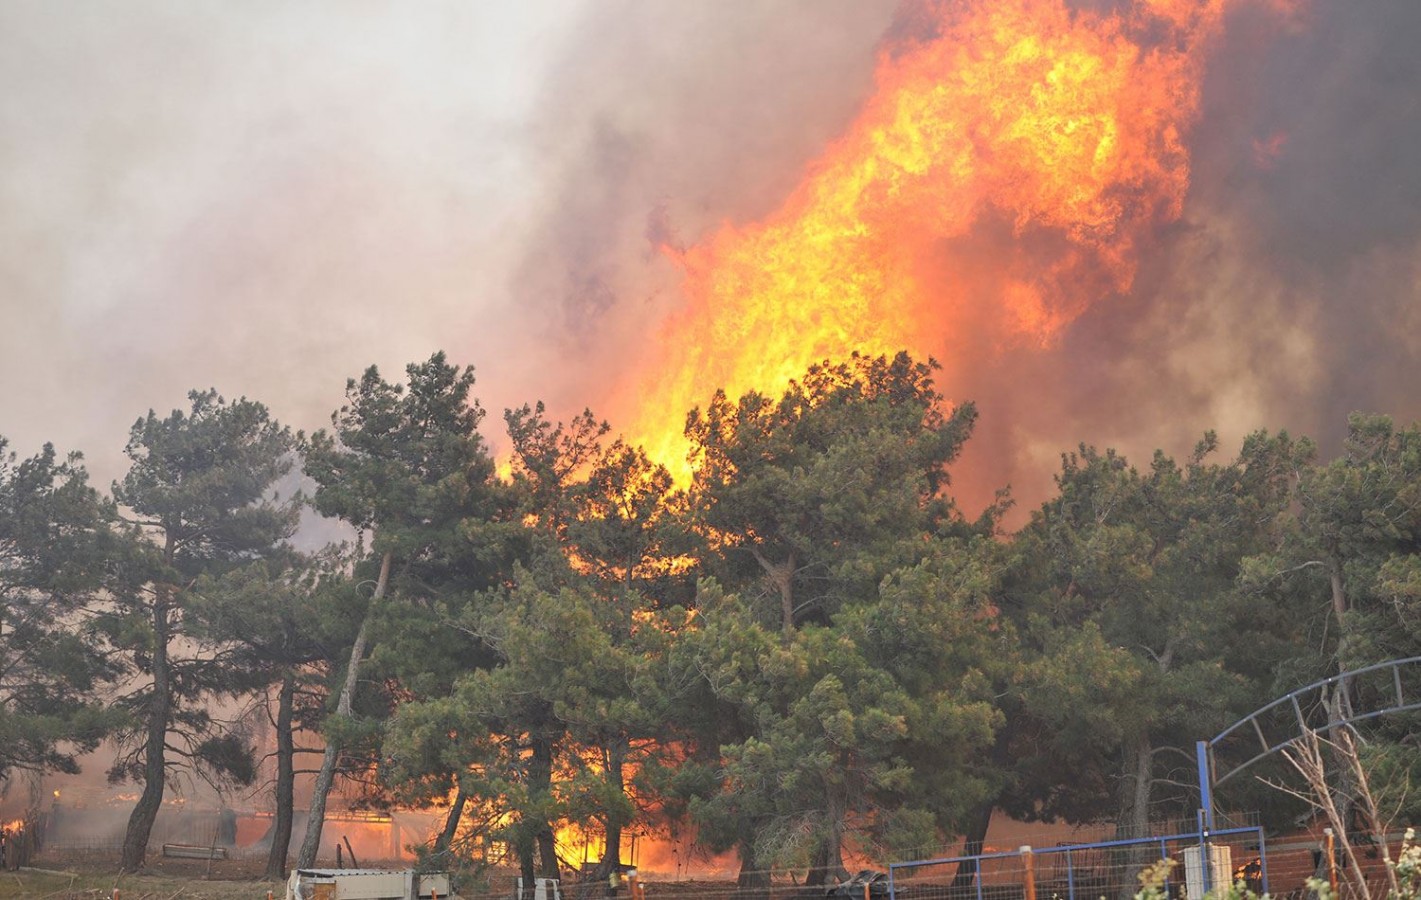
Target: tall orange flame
point(1063, 129)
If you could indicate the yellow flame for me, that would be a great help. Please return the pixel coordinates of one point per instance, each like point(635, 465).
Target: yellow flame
point(1051, 121)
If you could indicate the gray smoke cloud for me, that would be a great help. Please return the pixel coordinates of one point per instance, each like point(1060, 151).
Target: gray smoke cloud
point(265, 198)
point(268, 197)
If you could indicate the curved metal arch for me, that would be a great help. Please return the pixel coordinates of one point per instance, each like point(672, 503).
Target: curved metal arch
point(1399, 702)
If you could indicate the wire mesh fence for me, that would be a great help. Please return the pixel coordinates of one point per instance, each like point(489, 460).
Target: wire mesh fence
point(1078, 870)
point(1108, 869)
point(1074, 871)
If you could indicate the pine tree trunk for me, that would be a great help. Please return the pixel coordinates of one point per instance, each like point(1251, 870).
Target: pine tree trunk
point(612, 854)
point(285, 780)
point(834, 841)
point(525, 868)
point(782, 574)
point(451, 825)
point(818, 874)
point(975, 837)
point(548, 853)
point(1341, 776)
point(753, 883)
point(1134, 818)
point(1339, 701)
point(1339, 593)
point(145, 812)
point(315, 820)
point(540, 783)
point(828, 859)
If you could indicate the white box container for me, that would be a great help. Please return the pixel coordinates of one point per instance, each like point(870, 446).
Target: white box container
point(1221, 871)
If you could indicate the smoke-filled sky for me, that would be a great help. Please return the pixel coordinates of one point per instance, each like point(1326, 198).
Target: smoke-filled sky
point(267, 197)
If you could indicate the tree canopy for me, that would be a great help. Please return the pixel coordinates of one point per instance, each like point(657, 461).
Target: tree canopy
point(806, 653)
point(57, 549)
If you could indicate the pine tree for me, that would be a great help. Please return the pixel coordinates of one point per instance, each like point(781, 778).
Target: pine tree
point(200, 489)
point(406, 465)
point(58, 553)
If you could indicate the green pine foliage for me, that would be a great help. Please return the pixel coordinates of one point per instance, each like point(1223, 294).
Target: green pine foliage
point(57, 543)
point(804, 654)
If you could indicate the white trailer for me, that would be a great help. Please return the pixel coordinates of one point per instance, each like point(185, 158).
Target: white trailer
point(366, 884)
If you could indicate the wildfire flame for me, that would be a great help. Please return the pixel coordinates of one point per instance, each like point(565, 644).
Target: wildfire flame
point(1063, 127)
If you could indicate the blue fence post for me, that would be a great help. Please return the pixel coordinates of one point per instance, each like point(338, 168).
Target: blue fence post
point(978, 876)
point(1204, 856)
point(1070, 877)
point(1263, 860)
point(1206, 813)
point(1206, 783)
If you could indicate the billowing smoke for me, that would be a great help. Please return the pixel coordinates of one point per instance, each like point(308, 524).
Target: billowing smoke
point(1284, 296)
point(265, 199)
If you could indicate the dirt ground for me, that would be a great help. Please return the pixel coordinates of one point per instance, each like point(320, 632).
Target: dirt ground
point(54, 885)
point(93, 878)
